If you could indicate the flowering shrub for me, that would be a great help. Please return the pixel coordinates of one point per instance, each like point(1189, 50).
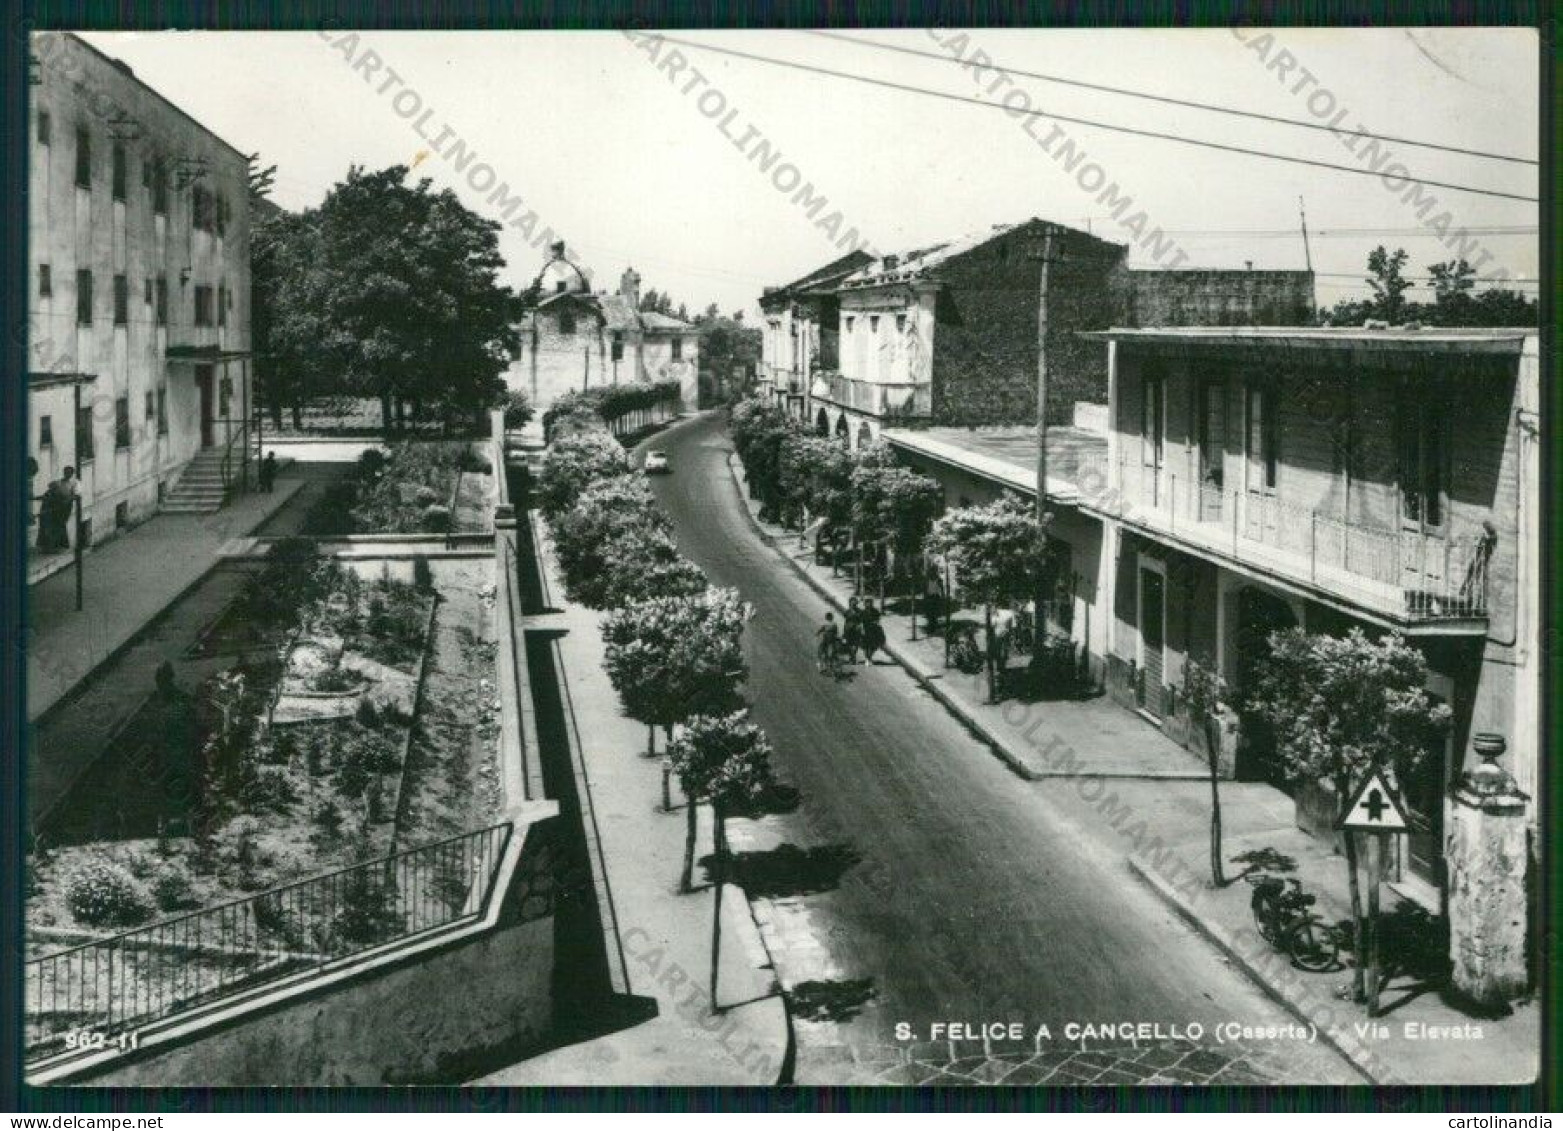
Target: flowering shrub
point(172, 889)
point(102, 894)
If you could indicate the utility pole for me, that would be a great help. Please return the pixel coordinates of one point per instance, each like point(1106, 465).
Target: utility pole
point(1302, 216)
point(1042, 334)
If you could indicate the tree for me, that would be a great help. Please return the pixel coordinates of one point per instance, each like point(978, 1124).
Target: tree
point(1341, 708)
point(517, 408)
point(727, 761)
point(1452, 283)
point(1202, 694)
point(895, 506)
point(400, 290)
point(996, 555)
point(573, 464)
point(671, 658)
point(759, 430)
point(605, 509)
point(1387, 280)
point(642, 566)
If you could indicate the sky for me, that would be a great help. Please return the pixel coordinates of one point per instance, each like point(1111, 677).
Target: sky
point(634, 162)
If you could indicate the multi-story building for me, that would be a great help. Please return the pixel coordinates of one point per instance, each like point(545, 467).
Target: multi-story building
point(801, 331)
point(1261, 478)
point(574, 338)
point(139, 281)
point(962, 333)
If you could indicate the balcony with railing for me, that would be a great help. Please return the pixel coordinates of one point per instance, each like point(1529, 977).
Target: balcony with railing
point(1408, 577)
point(888, 400)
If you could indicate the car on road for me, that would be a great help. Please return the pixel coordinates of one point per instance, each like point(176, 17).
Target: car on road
point(657, 463)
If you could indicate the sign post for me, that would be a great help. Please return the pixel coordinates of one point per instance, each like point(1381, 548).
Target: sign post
point(1376, 812)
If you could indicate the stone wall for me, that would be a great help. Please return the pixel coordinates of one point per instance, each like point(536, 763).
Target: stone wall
point(1218, 298)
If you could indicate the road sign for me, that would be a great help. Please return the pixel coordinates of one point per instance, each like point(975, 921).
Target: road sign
point(1374, 808)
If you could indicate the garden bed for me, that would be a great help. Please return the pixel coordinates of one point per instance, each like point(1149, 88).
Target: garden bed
point(223, 797)
point(417, 487)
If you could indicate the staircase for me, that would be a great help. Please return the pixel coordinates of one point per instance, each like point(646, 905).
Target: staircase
point(199, 488)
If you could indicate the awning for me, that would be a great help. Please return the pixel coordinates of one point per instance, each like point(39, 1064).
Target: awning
point(44, 380)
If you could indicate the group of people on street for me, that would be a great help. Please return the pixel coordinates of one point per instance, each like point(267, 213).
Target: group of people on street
point(862, 631)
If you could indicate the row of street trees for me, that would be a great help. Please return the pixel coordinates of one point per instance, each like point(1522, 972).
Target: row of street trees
point(1456, 301)
point(994, 554)
point(673, 644)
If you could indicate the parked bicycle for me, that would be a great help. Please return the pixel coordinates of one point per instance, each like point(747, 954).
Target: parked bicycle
point(1286, 919)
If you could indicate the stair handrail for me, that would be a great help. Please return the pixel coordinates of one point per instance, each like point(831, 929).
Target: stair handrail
point(226, 465)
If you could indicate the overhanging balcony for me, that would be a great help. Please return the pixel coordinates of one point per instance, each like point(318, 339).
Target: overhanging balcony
point(1413, 580)
point(887, 400)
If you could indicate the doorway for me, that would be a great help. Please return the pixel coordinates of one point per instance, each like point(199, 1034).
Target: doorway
point(1258, 615)
point(1153, 639)
point(203, 383)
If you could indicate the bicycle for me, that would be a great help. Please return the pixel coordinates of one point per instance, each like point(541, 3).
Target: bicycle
point(1286, 919)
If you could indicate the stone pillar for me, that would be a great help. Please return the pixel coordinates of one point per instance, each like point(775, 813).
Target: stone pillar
point(1486, 855)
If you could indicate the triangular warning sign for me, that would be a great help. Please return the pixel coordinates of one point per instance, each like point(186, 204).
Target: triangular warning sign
point(1374, 807)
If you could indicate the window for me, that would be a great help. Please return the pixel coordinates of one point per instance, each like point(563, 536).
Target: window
point(678, 349)
point(121, 422)
point(117, 179)
point(84, 298)
point(46, 431)
point(1151, 388)
point(198, 208)
point(1264, 448)
point(83, 159)
point(151, 409)
point(203, 306)
point(121, 300)
point(159, 187)
point(1423, 424)
point(162, 300)
point(146, 173)
point(222, 215)
point(43, 127)
point(618, 346)
point(559, 286)
point(84, 447)
point(566, 321)
point(850, 321)
point(162, 412)
point(121, 515)
point(148, 299)
point(873, 323)
point(1212, 432)
point(45, 281)
point(900, 323)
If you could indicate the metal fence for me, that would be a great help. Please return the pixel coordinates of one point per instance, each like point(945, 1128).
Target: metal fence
point(119, 984)
point(1429, 575)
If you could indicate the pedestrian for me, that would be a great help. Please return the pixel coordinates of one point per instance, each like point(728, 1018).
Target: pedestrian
point(1002, 636)
point(852, 633)
point(933, 596)
point(54, 513)
point(829, 635)
point(873, 632)
point(268, 472)
point(32, 473)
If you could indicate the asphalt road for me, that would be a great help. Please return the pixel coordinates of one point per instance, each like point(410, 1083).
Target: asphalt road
point(918, 880)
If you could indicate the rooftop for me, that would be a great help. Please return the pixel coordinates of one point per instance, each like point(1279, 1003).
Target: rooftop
point(1450, 339)
point(1008, 455)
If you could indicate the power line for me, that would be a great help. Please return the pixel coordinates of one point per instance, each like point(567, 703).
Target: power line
point(909, 89)
point(1210, 106)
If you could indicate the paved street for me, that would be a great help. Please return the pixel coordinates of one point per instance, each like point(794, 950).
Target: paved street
point(917, 881)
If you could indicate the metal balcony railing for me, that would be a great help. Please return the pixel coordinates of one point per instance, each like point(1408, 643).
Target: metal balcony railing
point(119, 984)
point(891, 400)
point(1412, 575)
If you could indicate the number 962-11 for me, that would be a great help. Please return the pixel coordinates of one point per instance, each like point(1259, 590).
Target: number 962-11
point(92, 1040)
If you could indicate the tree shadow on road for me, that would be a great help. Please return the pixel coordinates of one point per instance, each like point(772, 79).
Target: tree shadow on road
point(830, 1001)
point(789, 870)
point(777, 797)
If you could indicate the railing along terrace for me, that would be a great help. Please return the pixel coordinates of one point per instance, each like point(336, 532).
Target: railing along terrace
point(119, 984)
point(879, 398)
point(1426, 576)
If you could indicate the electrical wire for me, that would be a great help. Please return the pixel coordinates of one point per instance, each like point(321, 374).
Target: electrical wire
point(1128, 92)
point(907, 88)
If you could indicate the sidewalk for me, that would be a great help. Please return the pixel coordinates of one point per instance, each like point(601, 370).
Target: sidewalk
point(1418, 1037)
point(664, 937)
point(1083, 736)
point(127, 582)
point(1096, 739)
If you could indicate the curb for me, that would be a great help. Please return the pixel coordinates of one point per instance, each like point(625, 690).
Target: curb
point(930, 682)
point(1229, 947)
